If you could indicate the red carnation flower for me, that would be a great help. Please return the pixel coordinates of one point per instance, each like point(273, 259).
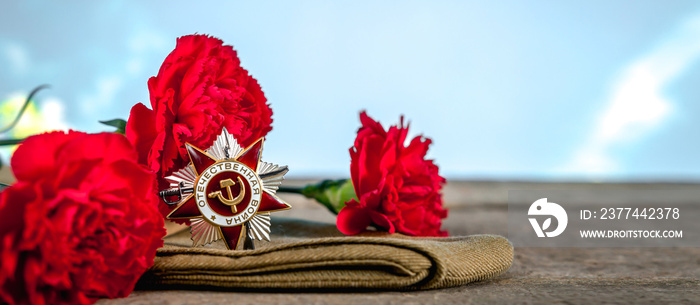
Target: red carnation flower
point(80, 223)
point(200, 88)
point(398, 189)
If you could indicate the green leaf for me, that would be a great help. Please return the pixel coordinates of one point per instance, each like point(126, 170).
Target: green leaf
point(118, 123)
point(331, 193)
point(7, 142)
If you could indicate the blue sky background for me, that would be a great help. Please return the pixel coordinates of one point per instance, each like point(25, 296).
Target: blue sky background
point(594, 90)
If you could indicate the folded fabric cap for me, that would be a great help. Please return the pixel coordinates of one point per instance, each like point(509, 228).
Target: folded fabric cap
point(312, 255)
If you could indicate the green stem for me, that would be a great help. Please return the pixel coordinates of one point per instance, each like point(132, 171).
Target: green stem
point(24, 108)
point(293, 190)
point(10, 142)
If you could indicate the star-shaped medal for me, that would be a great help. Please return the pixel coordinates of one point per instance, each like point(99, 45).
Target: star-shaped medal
point(227, 192)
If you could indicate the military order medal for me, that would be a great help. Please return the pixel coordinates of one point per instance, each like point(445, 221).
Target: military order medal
point(227, 192)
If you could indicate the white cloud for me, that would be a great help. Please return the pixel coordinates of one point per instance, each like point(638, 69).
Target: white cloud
point(134, 66)
point(18, 58)
point(140, 44)
point(636, 104)
point(53, 114)
point(148, 39)
point(106, 89)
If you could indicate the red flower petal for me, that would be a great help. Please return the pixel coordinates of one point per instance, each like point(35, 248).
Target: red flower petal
point(200, 88)
point(398, 189)
point(382, 221)
point(141, 131)
point(369, 164)
point(35, 157)
point(80, 223)
point(352, 220)
point(101, 146)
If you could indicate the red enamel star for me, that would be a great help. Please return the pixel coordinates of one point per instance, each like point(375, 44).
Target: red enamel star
point(229, 189)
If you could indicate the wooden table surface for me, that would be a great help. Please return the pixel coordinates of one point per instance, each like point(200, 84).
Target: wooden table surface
point(538, 275)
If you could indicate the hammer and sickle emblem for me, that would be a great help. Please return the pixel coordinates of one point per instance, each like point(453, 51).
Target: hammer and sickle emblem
point(230, 201)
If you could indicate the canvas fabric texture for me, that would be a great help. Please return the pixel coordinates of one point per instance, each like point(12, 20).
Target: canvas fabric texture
point(305, 255)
